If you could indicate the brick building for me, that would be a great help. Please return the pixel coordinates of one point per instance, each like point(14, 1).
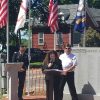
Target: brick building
point(42, 37)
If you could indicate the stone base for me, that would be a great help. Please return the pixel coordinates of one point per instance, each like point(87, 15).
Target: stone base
point(82, 97)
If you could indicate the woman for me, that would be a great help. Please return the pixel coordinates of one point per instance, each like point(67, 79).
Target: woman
point(52, 61)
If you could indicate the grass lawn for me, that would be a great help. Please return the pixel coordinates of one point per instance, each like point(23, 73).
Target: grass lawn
point(36, 64)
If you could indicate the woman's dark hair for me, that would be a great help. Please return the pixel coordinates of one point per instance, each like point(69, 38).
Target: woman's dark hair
point(47, 58)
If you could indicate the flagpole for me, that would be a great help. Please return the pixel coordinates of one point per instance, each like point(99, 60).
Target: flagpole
point(84, 39)
point(84, 35)
point(53, 18)
point(7, 44)
point(7, 36)
point(70, 34)
point(54, 40)
point(29, 44)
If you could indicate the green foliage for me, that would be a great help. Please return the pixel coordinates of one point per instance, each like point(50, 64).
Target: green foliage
point(13, 13)
point(94, 3)
point(14, 6)
point(3, 36)
point(24, 42)
point(97, 4)
point(68, 1)
point(92, 38)
point(91, 3)
point(36, 64)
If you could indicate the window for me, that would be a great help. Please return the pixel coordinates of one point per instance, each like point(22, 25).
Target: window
point(41, 38)
point(59, 41)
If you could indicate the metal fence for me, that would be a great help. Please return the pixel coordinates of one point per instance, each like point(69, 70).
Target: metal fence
point(36, 82)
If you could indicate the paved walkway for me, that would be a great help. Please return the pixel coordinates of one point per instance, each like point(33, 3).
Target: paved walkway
point(30, 98)
point(34, 98)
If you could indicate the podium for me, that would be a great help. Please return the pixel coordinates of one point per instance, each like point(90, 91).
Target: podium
point(12, 71)
point(50, 73)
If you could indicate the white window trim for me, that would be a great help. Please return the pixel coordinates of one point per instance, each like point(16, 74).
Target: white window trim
point(40, 38)
point(57, 39)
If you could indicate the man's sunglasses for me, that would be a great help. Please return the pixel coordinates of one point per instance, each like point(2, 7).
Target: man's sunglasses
point(68, 48)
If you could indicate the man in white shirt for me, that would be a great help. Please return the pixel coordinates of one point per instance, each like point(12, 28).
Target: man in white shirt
point(69, 63)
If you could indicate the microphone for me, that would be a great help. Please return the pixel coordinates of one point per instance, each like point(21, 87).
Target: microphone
point(52, 60)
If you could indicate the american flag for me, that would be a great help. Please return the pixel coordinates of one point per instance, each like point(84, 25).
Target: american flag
point(3, 12)
point(22, 15)
point(53, 15)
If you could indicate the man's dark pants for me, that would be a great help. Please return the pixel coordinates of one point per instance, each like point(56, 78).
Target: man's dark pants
point(69, 78)
point(21, 79)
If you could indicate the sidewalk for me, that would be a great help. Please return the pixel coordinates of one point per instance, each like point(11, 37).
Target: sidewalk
point(34, 98)
point(31, 98)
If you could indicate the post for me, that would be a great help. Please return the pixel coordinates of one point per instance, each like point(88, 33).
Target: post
point(7, 43)
point(55, 40)
point(84, 34)
point(84, 37)
point(70, 34)
point(12, 70)
point(29, 45)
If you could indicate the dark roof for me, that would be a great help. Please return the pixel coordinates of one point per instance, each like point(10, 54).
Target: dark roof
point(71, 9)
point(62, 28)
point(96, 14)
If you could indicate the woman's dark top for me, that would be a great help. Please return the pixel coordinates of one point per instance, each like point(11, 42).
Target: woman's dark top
point(56, 65)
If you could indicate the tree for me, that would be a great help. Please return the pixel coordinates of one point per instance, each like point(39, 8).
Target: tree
point(92, 38)
point(97, 4)
point(14, 6)
point(94, 3)
point(68, 1)
point(41, 11)
point(24, 42)
point(3, 37)
point(13, 13)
